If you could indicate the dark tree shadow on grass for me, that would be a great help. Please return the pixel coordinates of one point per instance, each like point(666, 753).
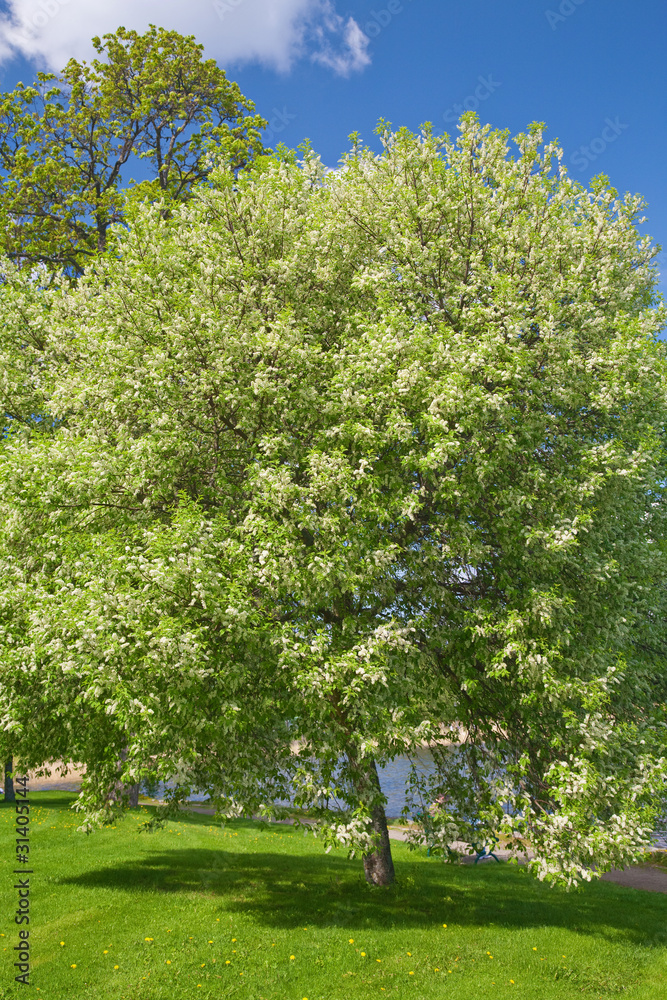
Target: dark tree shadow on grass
point(53, 799)
point(279, 890)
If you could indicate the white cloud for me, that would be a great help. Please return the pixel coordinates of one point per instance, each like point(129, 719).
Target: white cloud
point(353, 55)
point(275, 33)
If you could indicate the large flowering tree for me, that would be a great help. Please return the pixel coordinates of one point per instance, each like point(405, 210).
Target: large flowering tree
point(340, 463)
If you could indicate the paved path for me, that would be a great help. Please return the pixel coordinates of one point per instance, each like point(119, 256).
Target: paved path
point(648, 877)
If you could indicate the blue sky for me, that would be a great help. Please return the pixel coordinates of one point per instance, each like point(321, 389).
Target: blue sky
point(592, 70)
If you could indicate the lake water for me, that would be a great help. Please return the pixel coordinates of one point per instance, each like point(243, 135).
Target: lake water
point(393, 778)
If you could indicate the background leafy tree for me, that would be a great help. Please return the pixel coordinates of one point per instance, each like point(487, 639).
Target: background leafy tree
point(347, 462)
point(65, 146)
point(67, 142)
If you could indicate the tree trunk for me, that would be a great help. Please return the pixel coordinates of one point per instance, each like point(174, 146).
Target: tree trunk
point(131, 790)
point(378, 865)
point(9, 780)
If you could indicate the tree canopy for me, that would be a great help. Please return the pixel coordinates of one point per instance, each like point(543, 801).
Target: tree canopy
point(342, 463)
point(66, 142)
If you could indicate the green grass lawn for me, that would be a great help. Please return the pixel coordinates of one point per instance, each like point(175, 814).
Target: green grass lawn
point(247, 911)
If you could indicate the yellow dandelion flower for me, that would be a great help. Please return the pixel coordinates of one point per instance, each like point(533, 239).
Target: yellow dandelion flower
point(363, 954)
point(351, 941)
point(233, 940)
point(72, 966)
point(409, 953)
point(202, 965)
point(168, 961)
point(148, 939)
point(534, 949)
point(436, 970)
point(378, 959)
point(512, 982)
point(411, 973)
point(292, 957)
point(115, 966)
point(444, 925)
point(106, 951)
point(62, 942)
point(228, 962)
point(210, 942)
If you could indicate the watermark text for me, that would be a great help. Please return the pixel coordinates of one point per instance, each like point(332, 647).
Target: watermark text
point(566, 9)
point(22, 883)
point(586, 155)
point(486, 86)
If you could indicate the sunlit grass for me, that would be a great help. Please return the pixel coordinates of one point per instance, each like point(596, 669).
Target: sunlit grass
point(196, 910)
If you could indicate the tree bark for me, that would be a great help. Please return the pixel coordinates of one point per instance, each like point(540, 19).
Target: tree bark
point(131, 790)
point(9, 781)
point(378, 864)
